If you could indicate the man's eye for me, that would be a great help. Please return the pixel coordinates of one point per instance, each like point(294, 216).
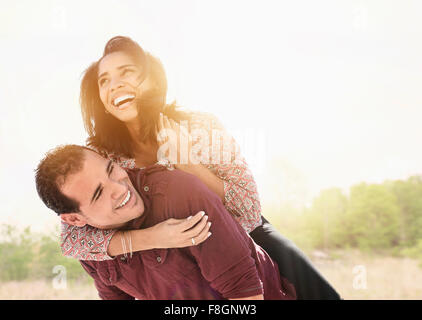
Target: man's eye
point(99, 194)
point(127, 72)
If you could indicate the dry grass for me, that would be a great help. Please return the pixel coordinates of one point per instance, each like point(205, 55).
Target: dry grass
point(386, 278)
point(44, 290)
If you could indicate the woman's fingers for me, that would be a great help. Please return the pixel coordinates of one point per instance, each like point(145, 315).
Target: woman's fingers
point(172, 123)
point(161, 134)
point(178, 233)
point(203, 235)
point(161, 122)
point(174, 126)
point(191, 221)
point(196, 230)
point(167, 123)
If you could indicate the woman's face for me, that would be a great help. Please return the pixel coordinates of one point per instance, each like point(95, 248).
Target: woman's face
point(121, 84)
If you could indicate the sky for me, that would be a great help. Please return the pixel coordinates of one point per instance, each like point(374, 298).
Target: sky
point(318, 94)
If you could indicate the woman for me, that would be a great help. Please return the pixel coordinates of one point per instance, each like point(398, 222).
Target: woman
point(125, 112)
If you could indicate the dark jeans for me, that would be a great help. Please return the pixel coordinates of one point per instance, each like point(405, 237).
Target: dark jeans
point(293, 264)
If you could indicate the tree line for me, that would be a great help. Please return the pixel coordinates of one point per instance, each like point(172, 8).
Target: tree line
point(26, 255)
point(372, 217)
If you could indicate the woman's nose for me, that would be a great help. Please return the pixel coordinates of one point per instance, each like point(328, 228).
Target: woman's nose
point(116, 85)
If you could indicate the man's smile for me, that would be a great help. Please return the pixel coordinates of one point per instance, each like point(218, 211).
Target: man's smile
point(125, 200)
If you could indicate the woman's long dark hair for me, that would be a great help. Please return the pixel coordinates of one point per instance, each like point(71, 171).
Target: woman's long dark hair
point(107, 133)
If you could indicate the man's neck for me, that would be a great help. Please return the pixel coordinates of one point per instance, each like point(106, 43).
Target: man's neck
point(113, 226)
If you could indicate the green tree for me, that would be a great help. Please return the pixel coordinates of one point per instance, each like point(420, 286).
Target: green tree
point(26, 255)
point(16, 252)
point(372, 219)
point(409, 200)
point(326, 217)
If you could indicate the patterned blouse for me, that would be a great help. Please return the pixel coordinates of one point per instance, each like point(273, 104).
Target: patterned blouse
point(241, 197)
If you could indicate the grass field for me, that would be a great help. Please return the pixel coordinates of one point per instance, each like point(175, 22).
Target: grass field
point(44, 290)
point(355, 275)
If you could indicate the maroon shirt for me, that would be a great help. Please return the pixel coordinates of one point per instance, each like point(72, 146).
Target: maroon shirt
point(227, 265)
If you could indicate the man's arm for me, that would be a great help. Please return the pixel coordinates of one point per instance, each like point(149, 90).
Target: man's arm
point(225, 259)
point(105, 291)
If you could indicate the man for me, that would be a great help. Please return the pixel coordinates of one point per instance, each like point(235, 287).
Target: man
point(79, 184)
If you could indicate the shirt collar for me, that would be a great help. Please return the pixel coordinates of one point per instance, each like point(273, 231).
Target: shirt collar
point(140, 179)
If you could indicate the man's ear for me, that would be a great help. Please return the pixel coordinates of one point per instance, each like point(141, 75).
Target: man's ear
point(74, 219)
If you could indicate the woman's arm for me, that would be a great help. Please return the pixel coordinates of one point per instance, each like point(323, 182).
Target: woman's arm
point(172, 233)
point(89, 243)
point(241, 196)
point(85, 243)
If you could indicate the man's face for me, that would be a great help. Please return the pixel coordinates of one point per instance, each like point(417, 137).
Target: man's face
point(105, 193)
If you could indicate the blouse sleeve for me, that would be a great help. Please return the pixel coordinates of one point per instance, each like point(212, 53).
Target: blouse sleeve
point(241, 196)
point(89, 243)
point(85, 243)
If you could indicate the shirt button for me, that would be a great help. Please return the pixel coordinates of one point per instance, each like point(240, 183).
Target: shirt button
point(146, 188)
point(159, 259)
point(123, 258)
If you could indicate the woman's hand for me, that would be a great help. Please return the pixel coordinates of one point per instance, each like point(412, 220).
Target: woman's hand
point(180, 233)
point(175, 142)
point(170, 136)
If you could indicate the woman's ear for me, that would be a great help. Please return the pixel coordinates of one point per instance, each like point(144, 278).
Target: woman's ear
point(74, 219)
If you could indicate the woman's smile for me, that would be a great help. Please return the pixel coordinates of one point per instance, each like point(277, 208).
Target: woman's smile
point(123, 100)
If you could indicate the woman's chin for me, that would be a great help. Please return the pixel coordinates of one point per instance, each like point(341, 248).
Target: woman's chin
point(127, 116)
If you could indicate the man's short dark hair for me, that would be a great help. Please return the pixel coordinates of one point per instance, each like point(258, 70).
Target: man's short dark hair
point(52, 172)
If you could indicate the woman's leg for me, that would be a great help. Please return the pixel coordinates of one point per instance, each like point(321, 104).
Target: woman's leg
point(293, 264)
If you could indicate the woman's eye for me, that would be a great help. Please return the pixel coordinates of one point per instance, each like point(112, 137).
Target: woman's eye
point(103, 82)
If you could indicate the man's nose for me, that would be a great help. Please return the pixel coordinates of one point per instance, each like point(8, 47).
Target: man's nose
point(119, 188)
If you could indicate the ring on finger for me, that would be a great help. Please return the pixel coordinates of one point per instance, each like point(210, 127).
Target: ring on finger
point(193, 241)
